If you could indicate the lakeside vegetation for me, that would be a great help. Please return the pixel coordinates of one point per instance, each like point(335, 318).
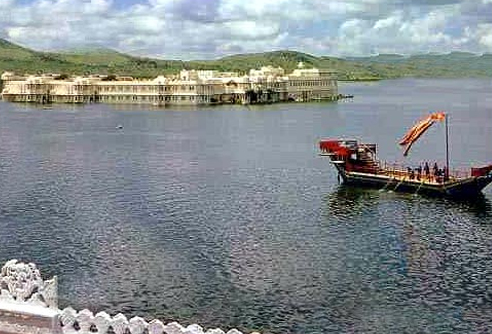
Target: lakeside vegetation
point(105, 61)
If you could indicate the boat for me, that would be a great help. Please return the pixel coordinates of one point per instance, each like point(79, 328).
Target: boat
point(357, 164)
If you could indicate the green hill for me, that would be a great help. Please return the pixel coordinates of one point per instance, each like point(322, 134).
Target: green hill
point(380, 58)
point(454, 64)
point(103, 61)
point(96, 57)
point(11, 51)
point(106, 61)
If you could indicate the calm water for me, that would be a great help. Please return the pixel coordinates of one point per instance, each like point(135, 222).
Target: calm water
point(227, 217)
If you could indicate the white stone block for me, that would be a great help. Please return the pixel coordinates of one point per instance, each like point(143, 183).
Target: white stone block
point(174, 328)
point(194, 329)
point(137, 325)
point(119, 324)
point(85, 319)
point(215, 331)
point(102, 321)
point(21, 318)
point(156, 327)
point(68, 317)
point(234, 331)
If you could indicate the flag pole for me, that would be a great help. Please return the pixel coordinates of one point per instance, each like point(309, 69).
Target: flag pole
point(447, 146)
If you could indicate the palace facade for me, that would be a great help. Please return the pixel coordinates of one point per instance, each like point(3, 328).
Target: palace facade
point(190, 87)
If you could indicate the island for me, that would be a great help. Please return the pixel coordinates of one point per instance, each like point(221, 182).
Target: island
point(190, 87)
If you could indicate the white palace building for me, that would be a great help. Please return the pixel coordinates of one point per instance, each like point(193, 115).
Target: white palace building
point(190, 87)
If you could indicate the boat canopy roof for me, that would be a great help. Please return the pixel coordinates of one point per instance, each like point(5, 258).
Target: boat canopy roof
point(346, 143)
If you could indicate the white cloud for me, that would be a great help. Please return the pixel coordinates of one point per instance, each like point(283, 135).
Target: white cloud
point(95, 7)
point(426, 31)
point(146, 24)
point(210, 28)
point(388, 23)
point(353, 28)
point(484, 33)
point(251, 29)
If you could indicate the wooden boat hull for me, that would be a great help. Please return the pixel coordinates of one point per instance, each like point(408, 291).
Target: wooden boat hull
point(467, 187)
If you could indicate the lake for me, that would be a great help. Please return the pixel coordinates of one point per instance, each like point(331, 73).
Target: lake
point(227, 217)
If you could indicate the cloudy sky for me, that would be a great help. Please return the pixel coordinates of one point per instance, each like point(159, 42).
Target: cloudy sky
point(204, 29)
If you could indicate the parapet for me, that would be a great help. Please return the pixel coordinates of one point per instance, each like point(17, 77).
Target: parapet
point(28, 305)
point(22, 283)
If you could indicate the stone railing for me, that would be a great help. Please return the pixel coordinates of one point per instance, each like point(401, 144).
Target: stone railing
point(22, 283)
point(28, 305)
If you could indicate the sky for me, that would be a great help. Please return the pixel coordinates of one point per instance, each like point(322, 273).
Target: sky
point(209, 29)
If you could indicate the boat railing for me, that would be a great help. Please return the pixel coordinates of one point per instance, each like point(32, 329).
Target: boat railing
point(397, 170)
point(459, 173)
point(393, 169)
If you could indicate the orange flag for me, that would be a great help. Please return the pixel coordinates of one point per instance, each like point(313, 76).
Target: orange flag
point(418, 129)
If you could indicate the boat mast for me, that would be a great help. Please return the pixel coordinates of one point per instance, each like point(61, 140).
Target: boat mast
point(447, 146)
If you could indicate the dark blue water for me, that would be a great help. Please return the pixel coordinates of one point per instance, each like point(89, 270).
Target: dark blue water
point(227, 217)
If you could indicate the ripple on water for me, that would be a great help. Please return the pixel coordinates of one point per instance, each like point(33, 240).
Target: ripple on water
point(228, 218)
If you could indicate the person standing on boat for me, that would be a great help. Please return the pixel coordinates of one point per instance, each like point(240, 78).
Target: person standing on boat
point(435, 172)
point(445, 173)
point(426, 170)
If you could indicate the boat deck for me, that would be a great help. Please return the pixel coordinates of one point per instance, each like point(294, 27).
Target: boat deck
point(428, 179)
point(407, 177)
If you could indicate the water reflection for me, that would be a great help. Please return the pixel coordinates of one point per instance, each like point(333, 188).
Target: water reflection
point(426, 255)
point(351, 200)
point(480, 207)
point(348, 201)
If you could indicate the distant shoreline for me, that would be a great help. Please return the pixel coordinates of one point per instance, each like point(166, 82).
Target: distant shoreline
point(372, 68)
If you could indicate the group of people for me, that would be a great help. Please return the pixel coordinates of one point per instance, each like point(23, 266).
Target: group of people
point(438, 174)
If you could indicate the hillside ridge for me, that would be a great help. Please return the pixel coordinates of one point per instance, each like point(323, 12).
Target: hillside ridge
point(102, 60)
